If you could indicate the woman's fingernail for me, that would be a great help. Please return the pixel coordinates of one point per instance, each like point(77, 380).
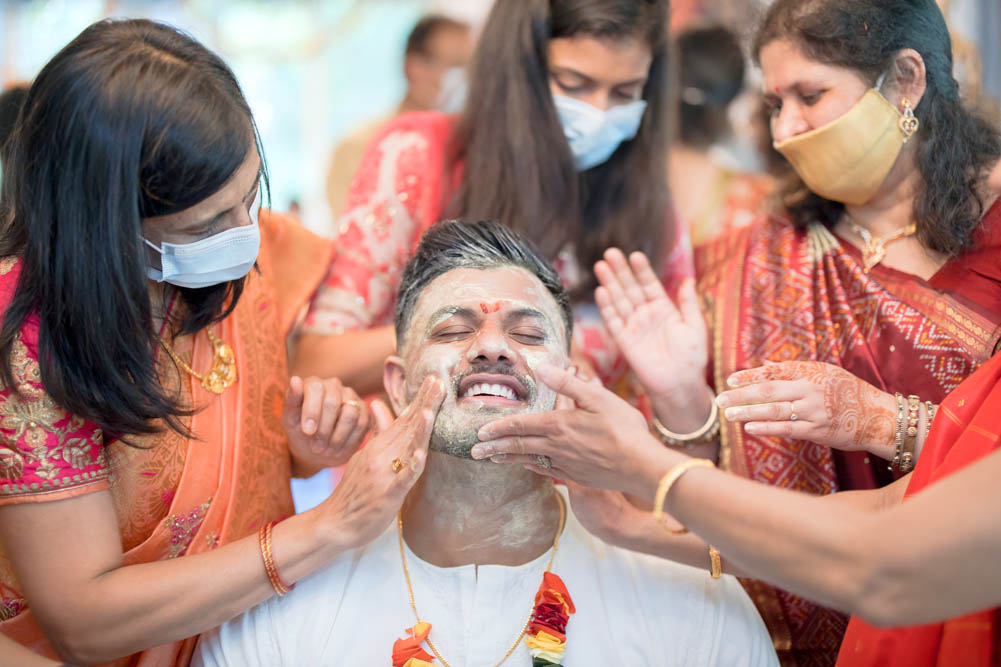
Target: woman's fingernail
point(751, 428)
point(478, 452)
point(722, 400)
point(499, 458)
point(733, 414)
point(309, 426)
point(731, 381)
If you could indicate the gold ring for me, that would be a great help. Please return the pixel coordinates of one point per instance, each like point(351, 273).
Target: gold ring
point(397, 464)
point(353, 402)
point(543, 462)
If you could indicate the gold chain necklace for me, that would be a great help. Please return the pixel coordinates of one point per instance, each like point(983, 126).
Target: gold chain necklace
point(223, 373)
point(874, 248)
point(524, 629)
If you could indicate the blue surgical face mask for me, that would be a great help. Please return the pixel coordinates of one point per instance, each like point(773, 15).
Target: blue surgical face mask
point(594, 134)
point(220, 258)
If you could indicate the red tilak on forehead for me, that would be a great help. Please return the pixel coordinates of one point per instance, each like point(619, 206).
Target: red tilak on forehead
point(490, 307)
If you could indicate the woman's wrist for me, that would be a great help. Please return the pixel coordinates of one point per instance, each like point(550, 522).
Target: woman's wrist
point(684, 409)
point(652, 469)
point(326, 534)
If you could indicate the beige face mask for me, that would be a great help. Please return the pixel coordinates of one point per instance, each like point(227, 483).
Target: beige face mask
point(848, 159)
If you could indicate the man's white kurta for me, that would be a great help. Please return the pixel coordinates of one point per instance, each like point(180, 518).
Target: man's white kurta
point(632, 609)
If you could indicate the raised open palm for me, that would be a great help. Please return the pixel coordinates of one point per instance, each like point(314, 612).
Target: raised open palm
point(664, 343)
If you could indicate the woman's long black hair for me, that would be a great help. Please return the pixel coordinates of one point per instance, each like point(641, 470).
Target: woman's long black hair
point(955, 147)
point(132, 119)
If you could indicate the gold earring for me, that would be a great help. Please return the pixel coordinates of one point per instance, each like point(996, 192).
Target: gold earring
point(908, 123)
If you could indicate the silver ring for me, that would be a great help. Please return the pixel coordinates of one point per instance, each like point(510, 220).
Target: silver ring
point(792, 415)
point(543, 462)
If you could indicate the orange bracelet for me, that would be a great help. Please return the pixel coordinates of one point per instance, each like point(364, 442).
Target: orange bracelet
point(269, 560)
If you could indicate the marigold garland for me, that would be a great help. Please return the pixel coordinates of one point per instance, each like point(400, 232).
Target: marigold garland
point(546, 627)
point(547, 640)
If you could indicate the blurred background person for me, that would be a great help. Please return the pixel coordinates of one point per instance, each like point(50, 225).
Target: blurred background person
point(434, 62)
point(709, 186)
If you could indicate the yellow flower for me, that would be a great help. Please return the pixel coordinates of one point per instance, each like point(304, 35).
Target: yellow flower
point(545, 645)
point(417, 662)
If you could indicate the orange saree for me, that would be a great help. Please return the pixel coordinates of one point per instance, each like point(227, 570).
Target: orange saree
point(179, 496)
point(967, 428)
point(772, 292)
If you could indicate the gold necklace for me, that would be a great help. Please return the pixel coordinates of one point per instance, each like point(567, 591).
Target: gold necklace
point(524, 629)
point(874, 248)
point(223, 373)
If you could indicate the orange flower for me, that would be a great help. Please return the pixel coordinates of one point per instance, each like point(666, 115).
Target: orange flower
point(408, 652)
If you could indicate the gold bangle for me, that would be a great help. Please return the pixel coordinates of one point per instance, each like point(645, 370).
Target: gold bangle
point(930, 410)
point(898, 433)
point(264, 537)
point(715, 563)
point(667, 481)
point(706, 432)
point(911, 435)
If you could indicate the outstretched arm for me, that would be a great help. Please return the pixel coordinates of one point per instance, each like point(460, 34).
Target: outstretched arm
point(919, 561)
point(93, 607)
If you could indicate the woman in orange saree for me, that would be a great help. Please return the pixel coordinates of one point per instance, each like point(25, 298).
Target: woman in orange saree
point(172, 495)
point(148, 427)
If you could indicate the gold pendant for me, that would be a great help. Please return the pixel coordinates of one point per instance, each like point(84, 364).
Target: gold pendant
point(223, 373)
point(872, 254)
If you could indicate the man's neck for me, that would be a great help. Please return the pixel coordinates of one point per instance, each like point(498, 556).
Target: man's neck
point(464, 512)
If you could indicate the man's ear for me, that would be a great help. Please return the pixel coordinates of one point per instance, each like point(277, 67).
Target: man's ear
point(909, 78)
point(394, 380)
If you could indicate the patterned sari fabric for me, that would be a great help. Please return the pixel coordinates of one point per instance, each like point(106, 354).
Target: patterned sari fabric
point(967, 428)
point(775, 293)
point(177, 496)
point(398, 192)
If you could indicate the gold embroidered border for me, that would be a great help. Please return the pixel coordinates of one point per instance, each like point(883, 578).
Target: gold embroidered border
point(49, 486)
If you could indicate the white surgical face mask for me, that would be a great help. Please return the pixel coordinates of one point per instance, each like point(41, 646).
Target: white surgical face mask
point(222, 257)
point(594, 134)
point(454, 89)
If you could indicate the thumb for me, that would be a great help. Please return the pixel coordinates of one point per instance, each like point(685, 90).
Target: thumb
point(587, 395)
point(292, 409)
point(382, 414)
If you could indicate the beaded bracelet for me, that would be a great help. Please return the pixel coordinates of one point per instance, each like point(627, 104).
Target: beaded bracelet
point(264, 537)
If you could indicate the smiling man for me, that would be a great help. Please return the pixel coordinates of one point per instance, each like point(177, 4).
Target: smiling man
point(487, 556)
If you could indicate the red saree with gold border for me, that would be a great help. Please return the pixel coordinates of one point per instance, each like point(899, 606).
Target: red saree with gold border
point(967, 428)
point(177, 496)
point(771, 293)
